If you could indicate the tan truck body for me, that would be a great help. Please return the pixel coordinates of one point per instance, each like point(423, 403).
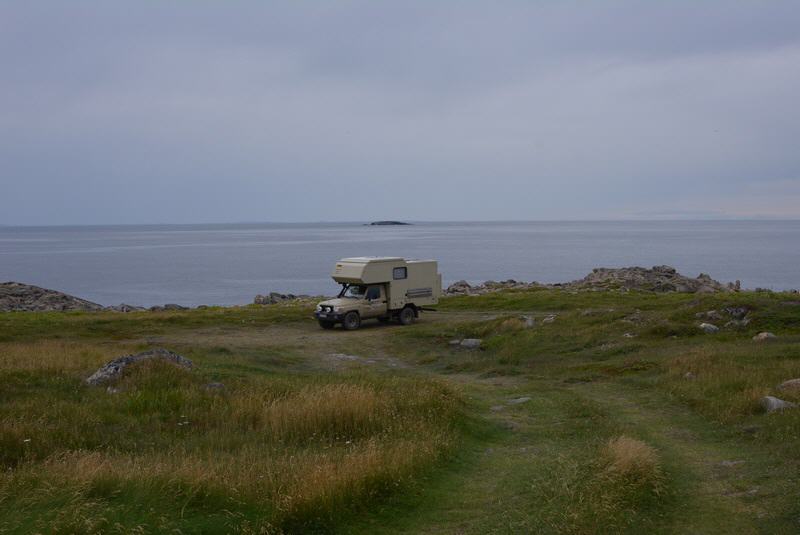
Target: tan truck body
point(388, 284)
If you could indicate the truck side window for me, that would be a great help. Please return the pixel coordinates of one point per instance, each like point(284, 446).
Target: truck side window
point(399, 273)
point(374, 292)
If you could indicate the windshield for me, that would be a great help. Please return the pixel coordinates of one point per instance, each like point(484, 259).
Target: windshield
point(354, 292)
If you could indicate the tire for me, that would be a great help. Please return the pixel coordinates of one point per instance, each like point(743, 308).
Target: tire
point(351, 321)
point(325, 324)
point(407, 316)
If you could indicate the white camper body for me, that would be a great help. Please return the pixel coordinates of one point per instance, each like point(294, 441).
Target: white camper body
point(407, 281)
point(381, 287)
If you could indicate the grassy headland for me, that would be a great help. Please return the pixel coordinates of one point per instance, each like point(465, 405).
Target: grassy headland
point(617, 415)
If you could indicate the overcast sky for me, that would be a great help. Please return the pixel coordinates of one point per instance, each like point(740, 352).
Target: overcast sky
point(179, 112)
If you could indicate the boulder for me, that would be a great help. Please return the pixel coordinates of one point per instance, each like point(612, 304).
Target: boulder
point(528, 321)
point(273, 298)
point(760, 337)
point(708, 328)
point(518, 401)
point(712, 315)
point(773, 404)
point(737, 313)
point(792, 385)
point(549, 319)
point(471, 343)
point(19, 297)
point(114, 369)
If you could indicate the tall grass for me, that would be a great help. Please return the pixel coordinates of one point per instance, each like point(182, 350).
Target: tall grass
point(275, 452)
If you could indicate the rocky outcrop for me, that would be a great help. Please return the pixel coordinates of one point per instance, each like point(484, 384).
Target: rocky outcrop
point(114, 369)
point(387, 223)
point(656, 279)
point(18, 297)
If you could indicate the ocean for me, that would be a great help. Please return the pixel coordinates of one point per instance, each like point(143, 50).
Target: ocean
point(229, 264)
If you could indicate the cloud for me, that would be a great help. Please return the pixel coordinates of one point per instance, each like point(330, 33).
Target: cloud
point(340, 111)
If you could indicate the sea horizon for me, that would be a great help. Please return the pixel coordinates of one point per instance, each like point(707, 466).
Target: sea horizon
point(230, 263)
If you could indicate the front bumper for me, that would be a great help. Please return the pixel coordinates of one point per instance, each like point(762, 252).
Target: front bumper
point(328, 316)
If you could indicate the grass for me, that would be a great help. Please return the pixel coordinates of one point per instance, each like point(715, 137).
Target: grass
point(632, 419)
point(272, 452)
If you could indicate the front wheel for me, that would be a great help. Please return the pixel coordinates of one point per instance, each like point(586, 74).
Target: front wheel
point(407, 316)
point(325, 324)
point(352, 321)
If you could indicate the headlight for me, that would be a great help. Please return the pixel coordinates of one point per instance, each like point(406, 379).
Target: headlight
point(319, 308)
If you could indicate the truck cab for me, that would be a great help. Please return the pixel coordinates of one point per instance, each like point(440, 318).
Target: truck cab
point(382, 288)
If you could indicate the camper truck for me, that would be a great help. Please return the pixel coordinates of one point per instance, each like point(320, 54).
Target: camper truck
point(384, 288)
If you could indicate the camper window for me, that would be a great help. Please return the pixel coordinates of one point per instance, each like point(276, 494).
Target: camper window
point(374, 292)
point(399, 273)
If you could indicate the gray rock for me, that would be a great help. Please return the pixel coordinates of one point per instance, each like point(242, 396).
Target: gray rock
point(273, 298)
point(471, 343)
point(497, 408)
point(760, 337)
point(122, 307)
point(708, 328)
point(792, 385)
point(114, 369)
point(518, 401)
point(173, 306)
point(773, 404)
point(528, 321)
point(629, 335)
point(689, 376)
point(18, 297)
point(737, 313)
point(215, 386)
point(455, 342)
point(549, 319)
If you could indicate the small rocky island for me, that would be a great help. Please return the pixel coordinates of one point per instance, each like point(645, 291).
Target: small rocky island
point(386, 223)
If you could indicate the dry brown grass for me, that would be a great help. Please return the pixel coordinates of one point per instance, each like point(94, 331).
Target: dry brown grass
point(629, 458)
point(300, 449)
point(56, 356)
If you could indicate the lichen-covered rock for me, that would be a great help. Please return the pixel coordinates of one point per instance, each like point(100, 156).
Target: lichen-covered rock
point(708, 328)
point(114, 369)
point(19, 297)
point(471, 343)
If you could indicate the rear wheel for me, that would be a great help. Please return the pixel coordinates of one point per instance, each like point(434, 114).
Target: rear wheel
point(407, 316)
point(325, 324)
point(352, 321)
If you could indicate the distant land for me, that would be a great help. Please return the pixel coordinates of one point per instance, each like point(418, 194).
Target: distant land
point(387, 223)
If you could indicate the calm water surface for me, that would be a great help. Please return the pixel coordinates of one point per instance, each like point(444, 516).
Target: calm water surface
point(230, 264)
